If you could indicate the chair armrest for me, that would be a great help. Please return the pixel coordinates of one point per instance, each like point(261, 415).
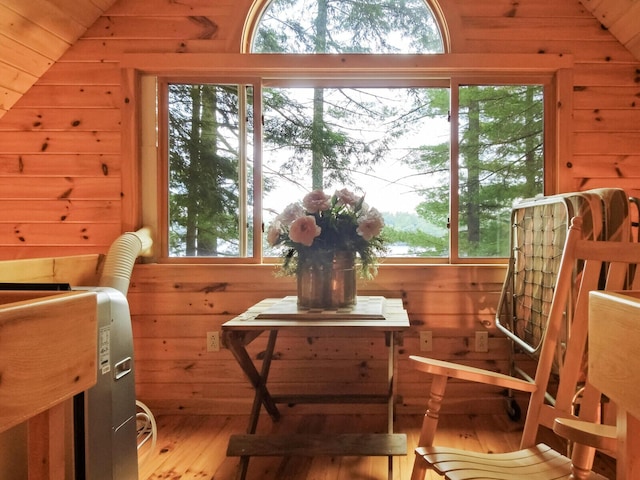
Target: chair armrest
point(602, 437)
point(478, 375)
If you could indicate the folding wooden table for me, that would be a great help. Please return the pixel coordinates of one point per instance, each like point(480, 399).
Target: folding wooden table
point(274, 315)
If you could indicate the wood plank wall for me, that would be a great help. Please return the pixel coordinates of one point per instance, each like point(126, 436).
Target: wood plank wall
point(176, 373)
point(63, 167)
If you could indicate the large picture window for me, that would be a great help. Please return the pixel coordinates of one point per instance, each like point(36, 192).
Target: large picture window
point(442, 156)
point(391, 144)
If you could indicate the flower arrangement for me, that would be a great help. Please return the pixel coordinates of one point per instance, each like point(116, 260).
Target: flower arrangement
point(322, 225)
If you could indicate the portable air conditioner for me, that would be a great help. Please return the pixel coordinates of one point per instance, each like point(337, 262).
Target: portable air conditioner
point(105, 415)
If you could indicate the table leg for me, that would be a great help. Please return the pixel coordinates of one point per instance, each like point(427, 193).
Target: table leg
point(261, 389)
point(391, 375)
point(259, 382)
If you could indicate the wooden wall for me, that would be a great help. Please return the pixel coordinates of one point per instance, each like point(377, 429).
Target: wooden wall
point(176, 373)
point(65, 171)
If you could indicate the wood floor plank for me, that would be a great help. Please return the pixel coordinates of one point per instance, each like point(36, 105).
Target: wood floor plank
point(210, 463)
point(194, 447)
point(167, 427)
point(494, 433)
point(175, 457)
point(182, 443)
point(215, 462)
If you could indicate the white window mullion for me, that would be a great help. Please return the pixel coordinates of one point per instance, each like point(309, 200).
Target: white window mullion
point(257, 172)
point(454, 203)
point(242, 171)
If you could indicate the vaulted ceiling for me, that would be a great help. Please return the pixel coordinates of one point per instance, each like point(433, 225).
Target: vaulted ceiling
point(621, 18)
point(35, 33)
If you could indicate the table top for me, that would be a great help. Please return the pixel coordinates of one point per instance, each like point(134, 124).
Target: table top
point(393, 318)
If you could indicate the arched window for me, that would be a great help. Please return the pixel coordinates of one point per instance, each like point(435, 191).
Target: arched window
point(345, 26)
point(362, 94)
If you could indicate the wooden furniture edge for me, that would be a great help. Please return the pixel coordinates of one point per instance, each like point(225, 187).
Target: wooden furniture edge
point(313, 445)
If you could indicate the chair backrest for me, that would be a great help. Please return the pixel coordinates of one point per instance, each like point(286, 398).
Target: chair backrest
point(540, 412)
point(598, 259)
point(615, 213)
point(538, 231)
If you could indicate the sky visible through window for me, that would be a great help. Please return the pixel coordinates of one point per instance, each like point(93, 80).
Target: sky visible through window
point(389, 176)
point(345, 26)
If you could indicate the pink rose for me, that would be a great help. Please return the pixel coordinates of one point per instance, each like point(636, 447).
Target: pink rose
point(345, 197)
point(370, 224)
point(316, 201)
point(304, 229)
point(273, 234)
point(290, 213)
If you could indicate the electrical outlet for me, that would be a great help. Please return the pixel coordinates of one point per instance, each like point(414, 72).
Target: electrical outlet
point(213, 341)
point(482, 341)
point(426, 341)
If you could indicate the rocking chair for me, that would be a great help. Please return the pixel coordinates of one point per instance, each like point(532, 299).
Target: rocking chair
point(535, 461)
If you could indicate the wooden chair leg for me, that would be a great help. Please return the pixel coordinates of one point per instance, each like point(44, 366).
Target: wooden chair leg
point(420, 466)
point(429, 424)
point(582, 460)
point(432, 415)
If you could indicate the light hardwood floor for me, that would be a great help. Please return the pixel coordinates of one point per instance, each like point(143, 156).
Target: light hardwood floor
point(194, 447)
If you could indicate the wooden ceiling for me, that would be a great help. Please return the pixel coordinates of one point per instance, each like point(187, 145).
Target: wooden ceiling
point(621, 18)
point(35, 33)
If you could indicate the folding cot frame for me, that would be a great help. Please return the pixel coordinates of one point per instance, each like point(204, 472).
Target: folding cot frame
point(538, 231)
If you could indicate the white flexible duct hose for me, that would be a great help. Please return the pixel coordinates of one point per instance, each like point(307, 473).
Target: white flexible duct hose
point(122, 256)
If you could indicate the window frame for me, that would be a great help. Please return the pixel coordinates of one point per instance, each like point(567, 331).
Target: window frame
point(163, 173)
point(293, 70)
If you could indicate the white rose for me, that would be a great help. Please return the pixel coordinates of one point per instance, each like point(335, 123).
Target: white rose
point(370, 224)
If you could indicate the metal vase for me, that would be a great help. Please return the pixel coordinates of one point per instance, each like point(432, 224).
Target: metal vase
point(327, 283)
